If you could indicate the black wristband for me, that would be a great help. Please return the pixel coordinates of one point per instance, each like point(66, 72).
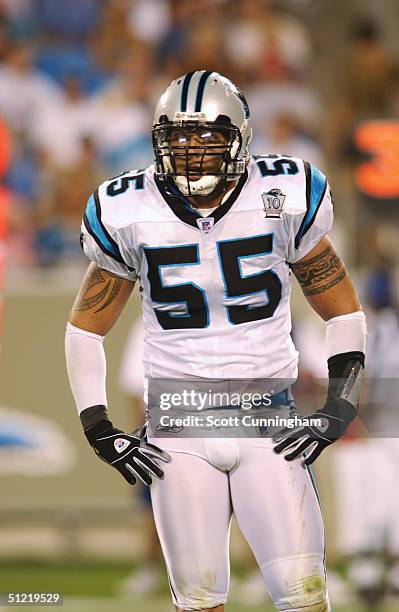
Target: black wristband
point(344, 372)
point(95, 421)
point(338, 364)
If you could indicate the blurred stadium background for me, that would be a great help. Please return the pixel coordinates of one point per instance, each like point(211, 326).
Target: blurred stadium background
point(78, 81)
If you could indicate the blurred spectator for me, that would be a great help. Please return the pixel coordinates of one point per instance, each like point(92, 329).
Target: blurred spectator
point(287, 136)
point(268, 100)
point(72, 19)
point(268, 41)
point(366, 86)
point(365, 472)
point(113, 38)
point(58, 130)
point(58, 60)
point(4, 28)
point(187, 16)
point(60, 216)
point(15, 9)
point(24, 92)
point(370, 74)
point(204, 48)
point(24, 180)
point(19, 19)
point(64, 47)
point(149, 20)
point(122, 114)
point(380, 413)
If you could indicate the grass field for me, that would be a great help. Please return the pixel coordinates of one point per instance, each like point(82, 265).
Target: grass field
point(94, 587)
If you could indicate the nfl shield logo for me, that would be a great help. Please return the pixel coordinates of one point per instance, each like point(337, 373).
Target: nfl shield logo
point(273, 202)
point(205, 224)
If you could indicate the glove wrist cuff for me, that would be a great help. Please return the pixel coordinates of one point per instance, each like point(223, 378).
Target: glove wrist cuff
point(95, 422)
point(340, 409)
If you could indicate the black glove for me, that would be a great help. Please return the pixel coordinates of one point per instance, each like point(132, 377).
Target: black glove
point(340, 409)
point(311, 440)
point(130, 454)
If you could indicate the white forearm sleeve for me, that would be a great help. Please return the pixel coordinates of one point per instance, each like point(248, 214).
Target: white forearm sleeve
point(86, 365)
point(346, 333)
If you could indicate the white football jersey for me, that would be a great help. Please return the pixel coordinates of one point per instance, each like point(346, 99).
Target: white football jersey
point(216, 289)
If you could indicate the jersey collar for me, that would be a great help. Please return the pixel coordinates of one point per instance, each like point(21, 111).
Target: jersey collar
point(181, 207)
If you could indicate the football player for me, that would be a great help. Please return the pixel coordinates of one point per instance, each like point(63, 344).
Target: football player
point(213, 236)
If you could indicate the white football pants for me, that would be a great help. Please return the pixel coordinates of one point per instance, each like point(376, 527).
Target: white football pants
point(276, 508)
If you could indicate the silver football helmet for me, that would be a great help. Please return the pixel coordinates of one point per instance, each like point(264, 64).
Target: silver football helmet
point(201, 132)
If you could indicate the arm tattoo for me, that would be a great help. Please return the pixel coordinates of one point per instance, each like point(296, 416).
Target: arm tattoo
point(319, 273)
point(106, 292)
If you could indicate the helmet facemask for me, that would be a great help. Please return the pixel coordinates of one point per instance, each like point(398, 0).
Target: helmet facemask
point(197, 154)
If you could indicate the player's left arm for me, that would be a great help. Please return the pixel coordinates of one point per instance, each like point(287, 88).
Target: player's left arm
point(325, 282)
point(327, 286)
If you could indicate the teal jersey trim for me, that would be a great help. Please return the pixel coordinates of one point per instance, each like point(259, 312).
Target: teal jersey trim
point(316, 185)
point(95, 227)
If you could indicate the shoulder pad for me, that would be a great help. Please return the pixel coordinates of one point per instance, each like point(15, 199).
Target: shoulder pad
point(125, 198)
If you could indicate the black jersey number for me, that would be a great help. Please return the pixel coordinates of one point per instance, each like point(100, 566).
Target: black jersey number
point(231, 252)
point(193, 299)
point(122, 184)
point(195, 308)
point(275, 168)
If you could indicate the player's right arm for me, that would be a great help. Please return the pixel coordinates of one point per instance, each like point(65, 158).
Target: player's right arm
point(106, 287)
point(100, 300)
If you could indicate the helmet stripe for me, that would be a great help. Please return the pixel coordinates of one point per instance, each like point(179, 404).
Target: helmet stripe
point(184, 92)
point(200, 90)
